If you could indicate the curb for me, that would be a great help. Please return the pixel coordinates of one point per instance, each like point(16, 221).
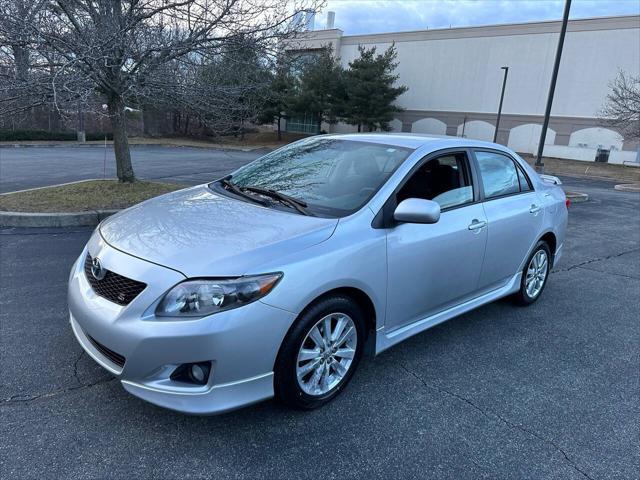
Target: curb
point(70, 219)
point(576, 197)
point(628, 187)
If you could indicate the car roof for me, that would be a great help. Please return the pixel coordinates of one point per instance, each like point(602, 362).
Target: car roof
point(415, 140)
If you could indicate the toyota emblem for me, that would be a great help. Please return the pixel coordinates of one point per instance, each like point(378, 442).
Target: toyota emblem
point(96, 269)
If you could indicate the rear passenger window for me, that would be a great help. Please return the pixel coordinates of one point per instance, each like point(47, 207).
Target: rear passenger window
point(524, 182)
point(499, 174)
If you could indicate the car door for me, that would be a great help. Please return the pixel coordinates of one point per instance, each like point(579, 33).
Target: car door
point(514, 213)
point(433, 266)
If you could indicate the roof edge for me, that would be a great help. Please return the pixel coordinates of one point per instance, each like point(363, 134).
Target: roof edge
point(522, 28)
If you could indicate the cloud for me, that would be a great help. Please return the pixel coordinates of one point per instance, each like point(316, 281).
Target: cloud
point(375, 16)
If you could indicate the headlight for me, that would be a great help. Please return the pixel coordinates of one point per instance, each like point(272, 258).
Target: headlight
point(197, 298)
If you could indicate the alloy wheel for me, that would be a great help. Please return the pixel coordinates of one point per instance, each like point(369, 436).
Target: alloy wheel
point(326, 354)
point(536, 273)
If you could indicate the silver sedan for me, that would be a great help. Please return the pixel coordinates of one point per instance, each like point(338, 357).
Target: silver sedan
point(274, 280)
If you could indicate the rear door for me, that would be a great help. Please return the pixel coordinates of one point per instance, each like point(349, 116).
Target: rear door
point(514, 213)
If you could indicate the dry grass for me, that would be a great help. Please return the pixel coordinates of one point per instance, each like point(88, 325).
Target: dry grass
point(83, 196)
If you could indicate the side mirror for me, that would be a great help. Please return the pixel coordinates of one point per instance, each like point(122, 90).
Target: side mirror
point(417, 210)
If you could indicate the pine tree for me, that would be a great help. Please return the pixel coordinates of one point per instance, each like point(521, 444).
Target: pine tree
point(370, 89)
point(320, 89)
point(278, 97)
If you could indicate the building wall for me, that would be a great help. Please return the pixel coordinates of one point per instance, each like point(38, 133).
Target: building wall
point(454, 78)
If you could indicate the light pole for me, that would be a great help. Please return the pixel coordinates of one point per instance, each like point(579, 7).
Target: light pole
point(552, 87)
point(504, 84)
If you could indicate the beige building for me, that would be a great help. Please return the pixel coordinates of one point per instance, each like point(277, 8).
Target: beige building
point(454, 77)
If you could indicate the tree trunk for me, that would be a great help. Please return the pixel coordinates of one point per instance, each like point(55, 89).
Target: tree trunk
point(359, 127)
point(120, 142)
point(21, 60)
point(279, 131)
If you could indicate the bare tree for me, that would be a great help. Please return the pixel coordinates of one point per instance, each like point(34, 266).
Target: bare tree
point(122, 49)
point(622, 108)
point(222, 92)
point(22, 68)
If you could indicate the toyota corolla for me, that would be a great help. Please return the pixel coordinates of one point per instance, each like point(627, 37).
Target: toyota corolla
point(274, 280)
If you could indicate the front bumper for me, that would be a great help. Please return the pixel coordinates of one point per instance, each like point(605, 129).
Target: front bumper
point(241, 344)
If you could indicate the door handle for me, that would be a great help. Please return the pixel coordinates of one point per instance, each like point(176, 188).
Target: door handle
point(535, 208)
point(477, 224)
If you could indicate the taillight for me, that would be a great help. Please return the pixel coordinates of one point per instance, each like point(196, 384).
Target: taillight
point(567, 203)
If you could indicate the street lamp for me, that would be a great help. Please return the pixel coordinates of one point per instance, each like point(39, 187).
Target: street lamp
point(504, 84)
point(552, 86)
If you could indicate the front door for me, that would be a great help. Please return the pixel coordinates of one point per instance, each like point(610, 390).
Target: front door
point(434, 266)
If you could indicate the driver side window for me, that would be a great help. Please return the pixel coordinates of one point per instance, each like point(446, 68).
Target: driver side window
point(445, 180)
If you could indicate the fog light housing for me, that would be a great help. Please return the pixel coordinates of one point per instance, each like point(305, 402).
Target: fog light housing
point(199, 373)
point(194, 373)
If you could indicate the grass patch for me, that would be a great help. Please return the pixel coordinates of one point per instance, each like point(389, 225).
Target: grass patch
point(83, 196)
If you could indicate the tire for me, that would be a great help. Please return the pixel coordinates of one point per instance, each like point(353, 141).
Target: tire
point(529, 293)
point(302, 347)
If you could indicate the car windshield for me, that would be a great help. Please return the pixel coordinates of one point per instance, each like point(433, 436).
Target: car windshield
point(333, 177)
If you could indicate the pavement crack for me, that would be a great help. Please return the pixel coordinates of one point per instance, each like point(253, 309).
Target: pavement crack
point(593, 260)
point(21, 398)
point(75, 367)
point(611, 273)
point(493, 415)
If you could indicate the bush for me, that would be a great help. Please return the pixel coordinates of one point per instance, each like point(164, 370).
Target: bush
point(23, 135)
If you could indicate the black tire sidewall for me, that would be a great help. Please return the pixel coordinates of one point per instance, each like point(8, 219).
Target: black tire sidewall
point(286, 386)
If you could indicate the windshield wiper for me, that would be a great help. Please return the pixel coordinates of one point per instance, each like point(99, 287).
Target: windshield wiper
point(229, 185)
point(299, 205)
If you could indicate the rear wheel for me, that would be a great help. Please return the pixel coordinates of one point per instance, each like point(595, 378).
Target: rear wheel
point(320, 353)
point(534, 275)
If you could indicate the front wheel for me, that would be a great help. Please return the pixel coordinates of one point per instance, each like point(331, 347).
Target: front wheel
point(534, 275)
point(320, 353)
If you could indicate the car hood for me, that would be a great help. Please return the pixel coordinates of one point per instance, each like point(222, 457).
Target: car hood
point(201, 233)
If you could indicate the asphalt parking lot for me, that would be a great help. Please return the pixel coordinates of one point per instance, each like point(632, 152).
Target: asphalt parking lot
point(29, 167)
point(545, 392)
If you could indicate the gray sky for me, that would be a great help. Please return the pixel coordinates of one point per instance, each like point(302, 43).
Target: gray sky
point(374, 16)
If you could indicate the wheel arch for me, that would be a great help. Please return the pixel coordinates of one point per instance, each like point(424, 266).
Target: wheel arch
point(550, 239)
point(362, 299)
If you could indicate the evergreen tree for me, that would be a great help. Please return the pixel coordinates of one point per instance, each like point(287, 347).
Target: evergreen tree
point(278, 96)
point(320, 89)
point(370, 89)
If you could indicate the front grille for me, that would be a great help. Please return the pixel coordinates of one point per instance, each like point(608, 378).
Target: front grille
point(107, 352)
point(113, 287)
